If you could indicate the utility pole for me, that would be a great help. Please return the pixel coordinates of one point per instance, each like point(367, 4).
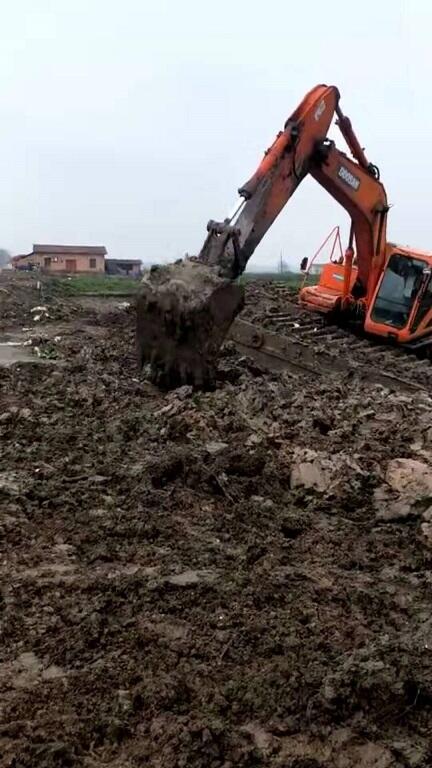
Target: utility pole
point(281, 264)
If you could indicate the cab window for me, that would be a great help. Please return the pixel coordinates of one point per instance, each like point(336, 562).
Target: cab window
point(424, 307)
point(398, 290)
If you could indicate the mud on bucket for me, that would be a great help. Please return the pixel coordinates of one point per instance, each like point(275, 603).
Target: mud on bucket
point(184, 312)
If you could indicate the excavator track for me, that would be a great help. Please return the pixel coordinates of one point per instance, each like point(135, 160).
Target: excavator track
point(295, 339)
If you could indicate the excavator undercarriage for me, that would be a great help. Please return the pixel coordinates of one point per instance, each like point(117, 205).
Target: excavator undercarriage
point(317, 346)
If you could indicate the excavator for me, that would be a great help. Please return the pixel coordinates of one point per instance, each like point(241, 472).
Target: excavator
point(185, 310)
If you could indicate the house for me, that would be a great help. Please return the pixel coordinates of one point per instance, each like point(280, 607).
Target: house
point(125, 267)
point(63, 259)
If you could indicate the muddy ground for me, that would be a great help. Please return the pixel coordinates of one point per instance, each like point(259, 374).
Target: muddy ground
point(236, 578)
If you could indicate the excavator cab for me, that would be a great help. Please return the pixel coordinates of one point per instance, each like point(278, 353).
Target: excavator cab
point(402, 305)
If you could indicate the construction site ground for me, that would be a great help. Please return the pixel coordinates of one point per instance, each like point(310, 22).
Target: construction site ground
point(207, 580)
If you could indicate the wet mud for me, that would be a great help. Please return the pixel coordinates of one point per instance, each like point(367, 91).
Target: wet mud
point(239, 577)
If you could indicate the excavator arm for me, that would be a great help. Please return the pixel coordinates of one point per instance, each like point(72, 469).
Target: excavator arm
point(185, 310)
point(230, 244)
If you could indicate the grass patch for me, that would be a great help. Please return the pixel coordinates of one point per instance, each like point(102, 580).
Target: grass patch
point(292, 279)
point(77, 285)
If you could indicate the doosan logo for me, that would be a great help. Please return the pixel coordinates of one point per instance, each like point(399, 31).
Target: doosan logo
point(319, 110)
point(348, 178)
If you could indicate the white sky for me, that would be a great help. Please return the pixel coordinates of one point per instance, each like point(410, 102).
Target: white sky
point(131, 123)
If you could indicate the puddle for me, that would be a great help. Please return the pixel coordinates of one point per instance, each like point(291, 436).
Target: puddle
point(11, 353)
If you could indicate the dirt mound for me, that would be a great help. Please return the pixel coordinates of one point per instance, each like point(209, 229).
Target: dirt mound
point(208, 579)
point(18, 294)
point(29, 298)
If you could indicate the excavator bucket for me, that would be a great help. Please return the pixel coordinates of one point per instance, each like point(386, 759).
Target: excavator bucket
point(184, 311)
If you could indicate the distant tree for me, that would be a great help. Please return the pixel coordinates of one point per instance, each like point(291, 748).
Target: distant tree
point(5, 257)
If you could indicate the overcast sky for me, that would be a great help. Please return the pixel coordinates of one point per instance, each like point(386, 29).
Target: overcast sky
point(131, 123)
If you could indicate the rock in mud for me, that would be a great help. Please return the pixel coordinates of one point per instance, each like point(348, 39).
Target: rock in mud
point(312, 473)
point(407, 489)
point(390, 509)
point(321, 472)
point(409, 476)
point(191, 578)
point(426, 529)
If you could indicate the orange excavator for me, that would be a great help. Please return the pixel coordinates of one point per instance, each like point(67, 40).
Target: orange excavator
point(185, 310)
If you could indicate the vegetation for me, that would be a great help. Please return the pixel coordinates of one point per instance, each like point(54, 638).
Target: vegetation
point(292, 279)
point(76, 285)
point(98, 284)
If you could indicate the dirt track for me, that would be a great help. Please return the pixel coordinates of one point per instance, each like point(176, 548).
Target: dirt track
point(236, 578)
